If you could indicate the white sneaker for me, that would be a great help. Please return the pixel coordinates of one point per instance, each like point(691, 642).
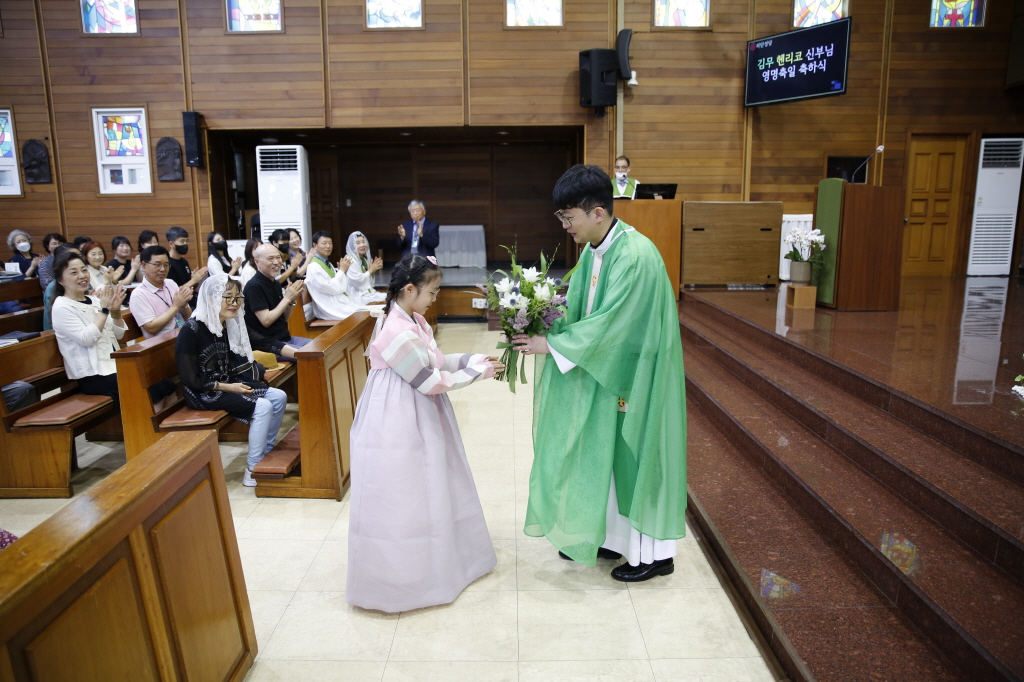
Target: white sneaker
point(247, 480)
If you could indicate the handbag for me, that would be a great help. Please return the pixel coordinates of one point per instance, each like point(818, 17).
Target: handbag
point(249, 372)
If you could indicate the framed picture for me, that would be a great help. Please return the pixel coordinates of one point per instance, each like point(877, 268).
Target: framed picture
point(10, 177)
point(254, 16)
point(109, 16)
point(682, 14)
point(533, 14)
point(394, 14)
point(122, 150)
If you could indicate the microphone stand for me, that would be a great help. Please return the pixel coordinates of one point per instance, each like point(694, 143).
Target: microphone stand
point(853, 177)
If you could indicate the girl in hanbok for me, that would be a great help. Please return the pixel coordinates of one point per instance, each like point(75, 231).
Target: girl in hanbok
point(417, 535)
point(362, 270)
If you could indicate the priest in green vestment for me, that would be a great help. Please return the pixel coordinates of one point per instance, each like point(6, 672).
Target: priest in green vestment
point(609, 469)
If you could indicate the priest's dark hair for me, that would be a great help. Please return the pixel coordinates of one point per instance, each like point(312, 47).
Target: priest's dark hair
point(413, 269)
point(585, 187)
point(321, 233)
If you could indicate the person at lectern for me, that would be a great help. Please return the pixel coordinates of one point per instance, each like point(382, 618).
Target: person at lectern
point(623, 186)
point(418, 235)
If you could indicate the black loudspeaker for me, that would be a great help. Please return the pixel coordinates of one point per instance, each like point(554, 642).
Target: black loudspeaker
point(191, 121)
point(599, 72)
point(622, 47)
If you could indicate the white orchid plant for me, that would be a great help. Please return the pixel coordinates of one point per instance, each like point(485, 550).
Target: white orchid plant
point(528, 302)
point(805, 245)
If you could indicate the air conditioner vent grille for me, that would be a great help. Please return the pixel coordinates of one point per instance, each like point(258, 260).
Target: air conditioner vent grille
point(1002, 153)
point(279, 159)
point(992, 239)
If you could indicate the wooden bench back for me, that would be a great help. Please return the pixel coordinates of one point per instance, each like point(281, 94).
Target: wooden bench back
point(138, 578)
point(30, 320)
point(22, 289)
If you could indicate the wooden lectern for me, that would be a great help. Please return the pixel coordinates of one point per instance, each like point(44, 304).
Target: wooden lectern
point(863, 228)
point(661, 221)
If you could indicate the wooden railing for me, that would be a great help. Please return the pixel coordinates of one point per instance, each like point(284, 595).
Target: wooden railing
point(137, 579)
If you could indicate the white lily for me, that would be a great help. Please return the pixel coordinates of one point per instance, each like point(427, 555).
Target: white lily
point(504, 286)
point(1019, 390)
point(542, 292)
point(531, 274)
point(508, 301)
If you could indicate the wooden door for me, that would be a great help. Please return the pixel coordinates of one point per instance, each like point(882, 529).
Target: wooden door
point(324, 199)
point(934, 187)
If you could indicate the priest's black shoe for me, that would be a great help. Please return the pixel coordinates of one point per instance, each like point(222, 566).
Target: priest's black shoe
point(637, 574)
point(602, 553)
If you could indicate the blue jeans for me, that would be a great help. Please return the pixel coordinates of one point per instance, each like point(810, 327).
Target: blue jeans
point(295, 342)
point(266, 422)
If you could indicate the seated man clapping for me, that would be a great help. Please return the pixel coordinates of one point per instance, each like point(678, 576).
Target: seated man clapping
point(268, 305)
point(329, 285)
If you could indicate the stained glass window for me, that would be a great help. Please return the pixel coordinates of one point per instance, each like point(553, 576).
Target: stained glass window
point(394, 13)
point(124, 136)
point(122, 150)
point(677, 13)
point(957, 13)
point(533, 12)
point(254, 15)
point(814, 12)
point(6, 137)
point(109, 16)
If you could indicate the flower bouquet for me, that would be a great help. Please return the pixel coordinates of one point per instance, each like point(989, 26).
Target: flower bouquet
point(528, 302)
point(805, 245)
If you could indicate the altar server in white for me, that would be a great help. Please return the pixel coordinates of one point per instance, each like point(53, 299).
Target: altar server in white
point(329, 285)
point(362, 270)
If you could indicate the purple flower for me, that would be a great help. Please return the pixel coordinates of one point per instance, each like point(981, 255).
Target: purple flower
point(520, 322)
point(558, 300)
point(549, 316)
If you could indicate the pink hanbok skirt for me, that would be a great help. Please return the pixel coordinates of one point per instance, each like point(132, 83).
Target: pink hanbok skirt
point(417, 535)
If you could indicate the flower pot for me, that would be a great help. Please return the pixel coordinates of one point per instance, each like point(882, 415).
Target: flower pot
point(799, 273)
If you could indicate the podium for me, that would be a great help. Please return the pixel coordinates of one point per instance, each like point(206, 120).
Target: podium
point(863, 228)
point(661, 221)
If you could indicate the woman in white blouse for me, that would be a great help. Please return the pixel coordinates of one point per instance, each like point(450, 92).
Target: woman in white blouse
point(364, 267)
point(87, 327)
point(95, 260)
point(218, 263)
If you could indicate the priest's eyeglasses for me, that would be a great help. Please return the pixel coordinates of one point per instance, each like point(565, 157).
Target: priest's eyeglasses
point(565, 220)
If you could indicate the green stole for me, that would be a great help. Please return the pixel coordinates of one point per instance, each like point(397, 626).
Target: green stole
point(628, 347)
point(328, 268)
point(630, 192)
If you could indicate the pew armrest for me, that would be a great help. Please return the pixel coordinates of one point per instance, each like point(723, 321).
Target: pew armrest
point(187, 418)
point(64, 412)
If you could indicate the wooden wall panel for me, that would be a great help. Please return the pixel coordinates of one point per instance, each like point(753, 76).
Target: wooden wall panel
point(23, 91)
point(116, 70)
point(257, 80)
point(395, 78)
point(684, 123)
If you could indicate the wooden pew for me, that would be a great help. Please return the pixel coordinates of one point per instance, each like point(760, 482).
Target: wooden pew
point(22, 289)
point(148, 362)
point(30, 320)
point(37, 442)
point(138, 579)
point(332, 373)
point(298, 325)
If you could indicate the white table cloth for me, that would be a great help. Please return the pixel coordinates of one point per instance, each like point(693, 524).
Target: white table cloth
point(462, 246)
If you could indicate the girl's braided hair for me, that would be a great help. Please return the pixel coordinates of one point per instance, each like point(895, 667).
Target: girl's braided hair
point(412, 269)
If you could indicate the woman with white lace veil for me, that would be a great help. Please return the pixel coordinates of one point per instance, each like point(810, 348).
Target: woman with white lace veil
point(362, 270)
point(217, 370)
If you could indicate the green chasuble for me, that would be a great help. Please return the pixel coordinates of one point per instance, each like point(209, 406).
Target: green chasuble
point(627, 348)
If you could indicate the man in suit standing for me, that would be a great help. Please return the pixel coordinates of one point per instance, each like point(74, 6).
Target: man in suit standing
point(418, 235)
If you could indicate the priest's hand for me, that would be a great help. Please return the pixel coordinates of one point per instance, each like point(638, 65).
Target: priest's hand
point(531, 345)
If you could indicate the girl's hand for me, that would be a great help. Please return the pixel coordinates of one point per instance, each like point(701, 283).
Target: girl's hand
point(240, 389)
point(531, 345)
point(498, 367)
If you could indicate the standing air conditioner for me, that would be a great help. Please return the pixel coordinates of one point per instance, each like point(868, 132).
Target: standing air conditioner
point(995, 207)
point(282, 179)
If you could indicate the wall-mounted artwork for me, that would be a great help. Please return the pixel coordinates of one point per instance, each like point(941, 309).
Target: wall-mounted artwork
point(957, 13)
point(245, 16)
point(10, 180)
point(394, 13)
point(681, 13)
point(813, 12)
point(122, 151)
point(168, 160)
point(109, 16)
point(529, 13)
point(35, 160)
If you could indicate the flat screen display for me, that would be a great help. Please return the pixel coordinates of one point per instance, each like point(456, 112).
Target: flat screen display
point(801, 64)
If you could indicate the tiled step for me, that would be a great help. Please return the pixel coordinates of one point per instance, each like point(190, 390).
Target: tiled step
point(987, 448)
point(982, 508)
point(972, 610)
point(822, 616)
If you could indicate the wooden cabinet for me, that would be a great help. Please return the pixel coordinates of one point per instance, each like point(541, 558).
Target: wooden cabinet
point(731, 242)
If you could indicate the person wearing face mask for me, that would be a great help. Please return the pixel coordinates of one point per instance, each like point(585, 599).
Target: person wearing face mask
point(623, 186)
point(218, 263)
point(180, 273)
point(20, 244)
point(296, 267)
